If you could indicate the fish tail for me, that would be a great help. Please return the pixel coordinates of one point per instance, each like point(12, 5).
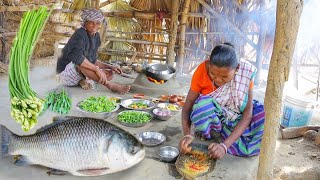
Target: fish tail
point(5, 140)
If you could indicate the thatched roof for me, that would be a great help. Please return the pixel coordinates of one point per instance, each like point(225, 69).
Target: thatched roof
point(142, 27)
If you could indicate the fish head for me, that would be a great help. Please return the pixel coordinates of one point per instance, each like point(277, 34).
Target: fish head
point(124, 150)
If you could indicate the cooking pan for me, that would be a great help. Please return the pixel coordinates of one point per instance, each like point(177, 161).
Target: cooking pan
point(160, 71)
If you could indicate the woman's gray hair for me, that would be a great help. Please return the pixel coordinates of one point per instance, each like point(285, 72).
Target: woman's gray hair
point(224, 55)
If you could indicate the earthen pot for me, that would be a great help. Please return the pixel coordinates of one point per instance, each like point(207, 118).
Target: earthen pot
point(181, 98)
point(173, 99)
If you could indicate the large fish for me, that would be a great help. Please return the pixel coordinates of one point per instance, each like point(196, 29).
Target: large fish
point(78, 145)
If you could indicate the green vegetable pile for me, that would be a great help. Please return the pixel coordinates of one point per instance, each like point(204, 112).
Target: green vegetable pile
point(134, 117)
point(58, 102)
point(25, 105)
point(98, 104)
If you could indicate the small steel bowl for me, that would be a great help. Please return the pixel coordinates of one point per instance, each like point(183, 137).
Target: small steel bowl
point(126, 103)
point(134, 124)
point(163, 118)
point(168, 153)
point(151, 138)
point(98, 115)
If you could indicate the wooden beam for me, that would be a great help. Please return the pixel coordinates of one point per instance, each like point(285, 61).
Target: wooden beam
point(132, 52)
point(287, 26)
point(136, 41)
point(236, 29)
point(134, 14)
point(129, 55)
point(182, 42)
point(173, 31)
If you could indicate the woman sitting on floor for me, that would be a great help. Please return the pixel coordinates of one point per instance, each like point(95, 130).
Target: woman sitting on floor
point(221, 99)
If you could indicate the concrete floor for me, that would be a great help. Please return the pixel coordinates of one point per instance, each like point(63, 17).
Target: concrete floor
point(43, 80)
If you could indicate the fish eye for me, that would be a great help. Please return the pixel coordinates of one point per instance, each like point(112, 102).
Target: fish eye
point(134, 150)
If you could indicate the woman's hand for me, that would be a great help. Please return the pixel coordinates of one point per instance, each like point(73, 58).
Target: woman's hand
point(216, 151)
point(184, 144)
point(116, 69)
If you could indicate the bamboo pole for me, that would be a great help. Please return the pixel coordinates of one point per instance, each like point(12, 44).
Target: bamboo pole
point(137, 41)
point(173, 31)
point(132, 52)
point(189, 33)
point(129, 55)
point(134, 14)
point(287, 25)
point(236, 29)
point(182, 42)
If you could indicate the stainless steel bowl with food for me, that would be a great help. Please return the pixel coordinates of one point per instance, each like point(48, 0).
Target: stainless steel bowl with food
point(137, 104)
point(162, 113)
point(133, 118)
point(172, 107)
point(151, 138)
point(100, 107)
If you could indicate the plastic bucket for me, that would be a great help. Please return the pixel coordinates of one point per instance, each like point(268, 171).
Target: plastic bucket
point(296, 112)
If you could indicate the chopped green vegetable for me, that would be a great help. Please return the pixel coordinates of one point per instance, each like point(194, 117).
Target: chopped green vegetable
point(134, 117)
point(98, 104)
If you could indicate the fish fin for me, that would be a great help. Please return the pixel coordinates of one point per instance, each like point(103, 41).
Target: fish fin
point(93, 172)
point(57, 172)
point(63, 118)
point(56, 120)
point(5, 140)
point(22, 160)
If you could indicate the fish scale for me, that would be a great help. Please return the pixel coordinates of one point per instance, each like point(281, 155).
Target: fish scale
point(80, 146)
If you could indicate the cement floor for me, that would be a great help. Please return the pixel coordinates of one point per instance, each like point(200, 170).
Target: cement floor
point(43, 80)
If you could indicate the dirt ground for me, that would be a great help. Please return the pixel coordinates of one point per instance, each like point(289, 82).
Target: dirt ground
point(294, 159)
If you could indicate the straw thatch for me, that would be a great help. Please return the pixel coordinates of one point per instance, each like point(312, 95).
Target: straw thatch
point(143, 26)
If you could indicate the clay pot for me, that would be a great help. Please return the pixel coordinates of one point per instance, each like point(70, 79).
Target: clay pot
point(173, 99)
point(138, 96)
point(181, 98)
point(180, 103)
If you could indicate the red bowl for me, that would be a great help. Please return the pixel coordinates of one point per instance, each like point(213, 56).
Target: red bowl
point(180, 103)
point(138, 96)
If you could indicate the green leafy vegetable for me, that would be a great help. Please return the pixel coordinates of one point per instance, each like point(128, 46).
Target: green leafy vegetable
point(134, 117)
point(59, 102)
point(98, 104)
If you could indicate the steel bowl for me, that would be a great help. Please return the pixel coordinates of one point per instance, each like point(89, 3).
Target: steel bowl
point(165, 106)
point(134, 124)
point(160, 71)
point(126, 103)
point(98, 115)
point(168, 153)
point(151, 138)
point(163, 118)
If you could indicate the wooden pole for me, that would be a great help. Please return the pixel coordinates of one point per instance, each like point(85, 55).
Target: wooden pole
point(182, 42)
point(2, 41)
point(173, 31)
point(287, 25)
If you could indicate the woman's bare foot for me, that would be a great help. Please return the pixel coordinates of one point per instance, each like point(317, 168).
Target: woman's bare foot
point(85, 84)
point(121, 89)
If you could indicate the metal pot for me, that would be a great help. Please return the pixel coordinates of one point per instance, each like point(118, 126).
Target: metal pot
point(160, 71)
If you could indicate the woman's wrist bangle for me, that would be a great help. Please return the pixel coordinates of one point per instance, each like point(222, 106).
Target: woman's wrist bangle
point(225, 147)
point(188, 135)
